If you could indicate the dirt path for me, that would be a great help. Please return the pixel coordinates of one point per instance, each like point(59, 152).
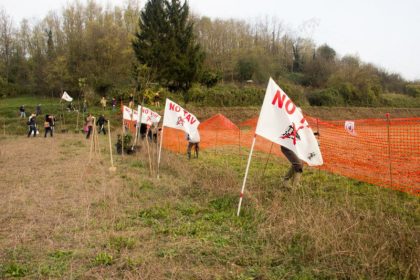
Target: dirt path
point(47, 193)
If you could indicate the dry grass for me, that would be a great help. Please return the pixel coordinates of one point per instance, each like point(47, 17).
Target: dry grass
point(63, 217)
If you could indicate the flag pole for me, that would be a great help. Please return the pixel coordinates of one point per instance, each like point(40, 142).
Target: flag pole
point(246, 175)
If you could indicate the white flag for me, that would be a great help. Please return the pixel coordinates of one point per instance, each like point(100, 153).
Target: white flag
point(179, 118)
point(67, 97)
point(349, 126)
point(281, 122)
point(148, 116)
point(130, 114)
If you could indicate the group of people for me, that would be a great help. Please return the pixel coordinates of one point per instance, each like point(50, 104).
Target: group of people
point(49, 124)
point(291, 179)
point(103, 103)
point(90, 122)
point(22, 111)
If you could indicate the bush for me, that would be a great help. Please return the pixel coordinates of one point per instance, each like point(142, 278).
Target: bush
point(399, 100)
point(226, 95)
point(326, 97)
point(413, 90)
point(103, 259)
point(210, 78)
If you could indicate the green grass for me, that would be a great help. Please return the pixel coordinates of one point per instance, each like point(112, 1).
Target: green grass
point(67, 121)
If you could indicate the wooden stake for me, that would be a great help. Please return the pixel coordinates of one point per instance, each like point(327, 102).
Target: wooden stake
point(160, 150)
point(77, 122)
point(148, 152)
point(112, 168)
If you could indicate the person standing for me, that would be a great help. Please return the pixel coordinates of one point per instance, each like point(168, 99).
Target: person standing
point(48, 125)
point(89, 125)
point(84, 106)
point(114, 103)
point(131, 101)
point(38, 110)
point(32, 125)
point(156, 99)
point(22, 112)
point(193, 139)
point(101, 123)
point(103, 103)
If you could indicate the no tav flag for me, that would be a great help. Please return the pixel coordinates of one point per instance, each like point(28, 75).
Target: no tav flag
point(130, 114)
point(281, 122)
point(67, 97)
point(179, 118)
point(148, 116)
point(349, 126)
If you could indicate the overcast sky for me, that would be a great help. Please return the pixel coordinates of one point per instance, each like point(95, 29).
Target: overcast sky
point(384, 32)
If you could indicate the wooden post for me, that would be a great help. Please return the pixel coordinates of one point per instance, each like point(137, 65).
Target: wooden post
point(77, 122)
point(389, 147)
point(148, 153)
point(112, 168)
point(122, 138)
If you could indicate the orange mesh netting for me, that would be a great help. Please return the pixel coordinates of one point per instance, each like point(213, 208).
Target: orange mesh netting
point(383, 152)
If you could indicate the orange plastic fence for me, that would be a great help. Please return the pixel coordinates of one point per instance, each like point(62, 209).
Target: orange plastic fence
point(384, 152)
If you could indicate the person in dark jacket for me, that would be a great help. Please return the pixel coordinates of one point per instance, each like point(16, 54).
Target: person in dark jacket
point(48, 125)
point(38, 110)
point(22, 111)
point(101, 123)
point(32, 125)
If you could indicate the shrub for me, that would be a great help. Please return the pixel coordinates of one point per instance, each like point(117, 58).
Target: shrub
point(210, 78)
point(413, 90)
point(326, 97)
point(103, 259)
point(226, 95)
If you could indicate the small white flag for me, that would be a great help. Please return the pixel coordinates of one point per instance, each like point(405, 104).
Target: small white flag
point(350, 127)
point(67, 97)
point(148, 116)
point(281, 122)
point(130, 114)
point(179, 118)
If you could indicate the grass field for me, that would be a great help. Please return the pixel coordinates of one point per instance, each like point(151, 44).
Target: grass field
point(65, 217)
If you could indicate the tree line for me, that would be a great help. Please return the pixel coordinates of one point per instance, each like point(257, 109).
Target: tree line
point(91, 50)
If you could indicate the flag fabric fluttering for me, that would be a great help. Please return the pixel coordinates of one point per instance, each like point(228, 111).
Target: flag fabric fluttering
point(130, 114)
point(147, 116)
point(179, 118)
point(349, 126)
point(67, 97)
point(283, 123)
